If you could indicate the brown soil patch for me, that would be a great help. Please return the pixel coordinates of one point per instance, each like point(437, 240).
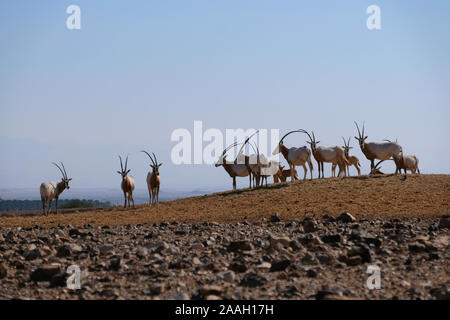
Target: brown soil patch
point(390, 196)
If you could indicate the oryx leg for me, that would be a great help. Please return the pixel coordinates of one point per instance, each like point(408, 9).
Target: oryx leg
point(50, 206)
point(357, 169)
point(56, 205)
point(234, 183)
point(43, 206)
point(305, 171)
point(132, 199)
point(310, 169)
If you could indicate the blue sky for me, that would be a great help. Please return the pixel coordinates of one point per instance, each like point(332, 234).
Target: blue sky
point(137, 70)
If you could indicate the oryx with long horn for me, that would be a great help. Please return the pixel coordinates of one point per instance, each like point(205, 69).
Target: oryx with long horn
point(252, 161)
point(153, 180)
point(234, 169)
point(266, 167)
point(52, 190)
point(378, 150)
point(127, 184)
point(333, 155)
point(295, 156)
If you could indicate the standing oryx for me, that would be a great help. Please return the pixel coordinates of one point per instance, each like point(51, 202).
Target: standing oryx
point(408, 163)
point(234, 169)
point(378, 150)
point(52, 190)
point(251, 162)
point(264, 167)
point(352, 160)
point(153, 180)
point(335, 155)
point(295, 156)
point(127, 184)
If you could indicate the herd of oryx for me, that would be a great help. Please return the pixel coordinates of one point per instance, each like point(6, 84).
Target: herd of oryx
point(258, 168)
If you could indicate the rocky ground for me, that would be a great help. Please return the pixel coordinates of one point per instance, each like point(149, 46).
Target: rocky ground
point(322, 258)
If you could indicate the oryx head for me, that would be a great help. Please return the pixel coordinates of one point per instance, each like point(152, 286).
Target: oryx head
point(277, 150)
point(154, 165)
point(346, 146)
point(123, 171)
point(312, 140)
point(222, 159)
point(64, 175)
point(240, 153)
point(361, 138)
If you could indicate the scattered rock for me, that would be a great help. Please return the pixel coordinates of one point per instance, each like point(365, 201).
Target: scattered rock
point(444, 222)
point(33, 254)
point(67, 250)
point(309, 225)
point(227, 276)
point(3, 271)
point(157, 288)
point(332, 238)
point(45, 272)
point(252, 280)
point(311, 273)
point(346, 218)
point(59, 280)
point(284, 241)
point(207, 290)
point(275, 218)
point(241, 245)
point(280, 265)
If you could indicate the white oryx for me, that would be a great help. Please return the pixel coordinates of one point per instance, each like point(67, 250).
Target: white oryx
point(264, 167)
point(153, 180)
point(295, 156)
point(378, 150)
point(334, 155)
point(410, 163)
point(127, 184)
point(52, 190)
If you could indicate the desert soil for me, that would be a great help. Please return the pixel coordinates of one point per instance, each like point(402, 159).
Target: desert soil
point(289, 241)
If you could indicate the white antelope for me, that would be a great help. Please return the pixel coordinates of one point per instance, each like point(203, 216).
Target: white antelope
point(251, 162)
point(265, 167)
point(153, 180)
point(334, 155)
point(352, 160)
point(52, 190)
point(378, 150)
point(295, 156)
point(410, 163)
point(127, 184)
point(234, 169)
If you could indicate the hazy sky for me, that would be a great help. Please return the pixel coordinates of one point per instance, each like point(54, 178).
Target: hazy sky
point(137, 70)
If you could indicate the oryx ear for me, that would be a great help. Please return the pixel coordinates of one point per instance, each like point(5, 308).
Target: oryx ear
point(119, 172)
point(357, 138)
point(366, 137)
point(317, 142)
point(308, 142)
point(128, 171)
point(159, 165)
point(350, 147)
point(70, 179)
point(62, 179)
